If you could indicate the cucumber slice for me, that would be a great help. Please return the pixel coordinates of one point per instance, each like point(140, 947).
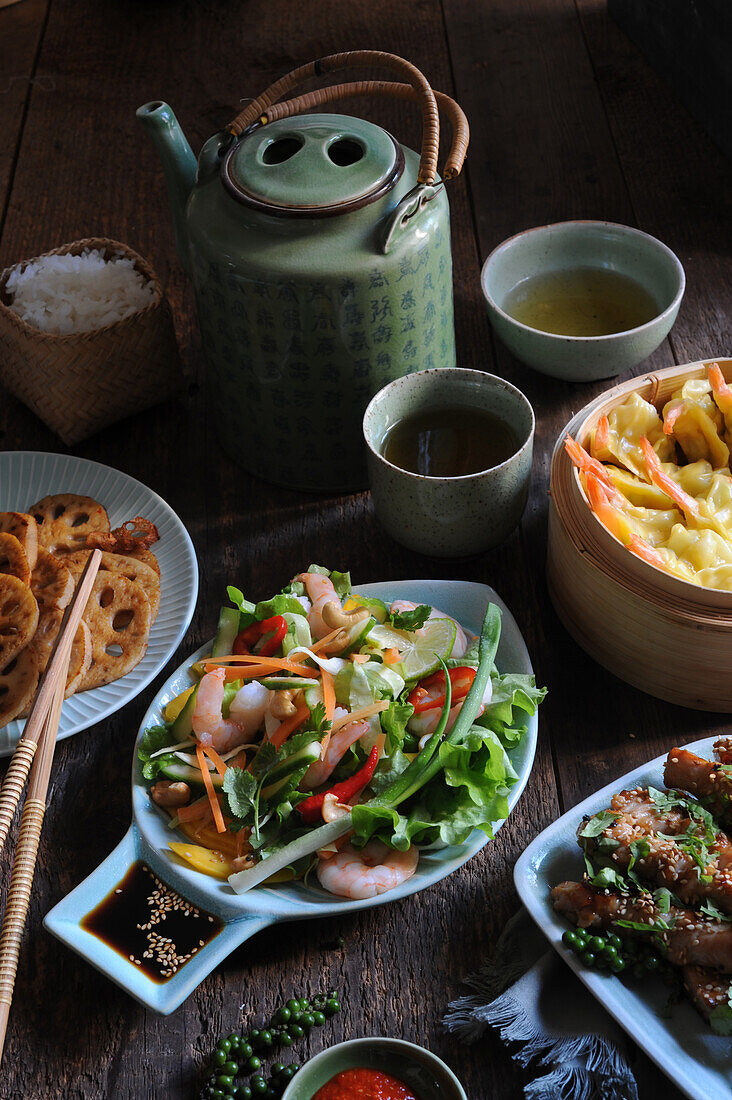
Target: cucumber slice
point(313, 696)
point(303, 758)
point(184, 773)
point(279, 683)
point(182, 728)
point(227, 631)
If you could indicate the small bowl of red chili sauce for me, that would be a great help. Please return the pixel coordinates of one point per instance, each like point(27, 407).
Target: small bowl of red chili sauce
point(375, 1069)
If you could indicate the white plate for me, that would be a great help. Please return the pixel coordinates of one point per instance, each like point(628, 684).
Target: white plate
point(683, 1045)
point(27, 476)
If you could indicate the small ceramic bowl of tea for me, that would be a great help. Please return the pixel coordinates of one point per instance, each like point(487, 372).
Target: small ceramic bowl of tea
point(449, 457)
point(375, 1067)
point(582, 300)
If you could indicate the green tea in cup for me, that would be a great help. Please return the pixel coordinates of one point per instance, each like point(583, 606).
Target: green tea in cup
point(449, 441)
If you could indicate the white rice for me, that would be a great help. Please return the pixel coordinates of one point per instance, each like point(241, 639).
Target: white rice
point(63, 294)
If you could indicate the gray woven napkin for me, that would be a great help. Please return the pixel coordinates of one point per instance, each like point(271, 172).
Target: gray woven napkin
point(547, 1018)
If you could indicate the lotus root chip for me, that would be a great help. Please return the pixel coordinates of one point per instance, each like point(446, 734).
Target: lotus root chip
point(65, 521)
point(13, 558)
point(133, 569)
point(49, 624)
point(25, 529)
point(145, 556)
point(118, 616)
point(18, 683)
point(18, 617)
point(51, 583)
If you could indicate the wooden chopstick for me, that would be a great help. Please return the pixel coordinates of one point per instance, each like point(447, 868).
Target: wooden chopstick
point(25, 750)
point(24, 862)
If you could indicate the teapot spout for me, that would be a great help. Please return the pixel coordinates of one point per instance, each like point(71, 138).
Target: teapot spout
point(179, 166)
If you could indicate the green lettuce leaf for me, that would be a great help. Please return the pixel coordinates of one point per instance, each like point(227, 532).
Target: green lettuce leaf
point(409, 620)
point(278, 605)
point(394, 724)
point(152, 740)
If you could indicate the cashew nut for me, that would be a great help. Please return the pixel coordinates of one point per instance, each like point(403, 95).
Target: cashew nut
point(170, 794)
point(333, 809)
point(242, 863)
point(334, 616)
point(283, 704)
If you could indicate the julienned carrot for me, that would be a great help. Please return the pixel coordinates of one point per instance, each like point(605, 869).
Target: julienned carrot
point(322, 642)
point(216, 759)
point(254, 672)
point(195, 811)
point(360, 712)
point(392, 656)
point(329, 698)
point(215, 808)
point(289, 726)
point(255, 659)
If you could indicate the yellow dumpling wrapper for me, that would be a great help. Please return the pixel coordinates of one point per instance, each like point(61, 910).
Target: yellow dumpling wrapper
point(700, 549)
point(641, 493)
point(627, 423)
point(698, 423)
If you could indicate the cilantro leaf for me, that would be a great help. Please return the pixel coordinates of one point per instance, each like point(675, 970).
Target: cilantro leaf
point(637, 926)
point(265, 760)
point(240, 788)
point(598, 824)
point(664, 899)
point(409, 620)
point(720, 1020)
point(709, 909)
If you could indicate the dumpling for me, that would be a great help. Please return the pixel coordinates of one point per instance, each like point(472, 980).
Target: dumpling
point(722, 399)
point(719, 576)
point(701, 549)
point(695, 478)
point(696, 423)
point(644, 494)
point(617, 436)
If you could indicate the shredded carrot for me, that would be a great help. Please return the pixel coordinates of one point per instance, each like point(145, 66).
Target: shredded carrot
point(254, 672)
point(214, 756)
point(317, 646)
point(361, 712)
point(328, 695)
point(208, 784)
point(359, 658)
point(289, 726)
point(289, 664)
point(195, 811)
point(392, 656)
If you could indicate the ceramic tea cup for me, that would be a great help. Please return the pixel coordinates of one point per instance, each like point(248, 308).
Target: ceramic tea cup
point(449, 517)
point(583, 244)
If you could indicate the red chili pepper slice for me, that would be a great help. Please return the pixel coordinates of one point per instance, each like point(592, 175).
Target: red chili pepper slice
point(430, 692)
point(247, 638)
point(312, 807)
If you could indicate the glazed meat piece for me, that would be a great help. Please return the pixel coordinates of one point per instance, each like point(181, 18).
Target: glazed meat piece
point(723, 749)
point(688, 938)
point(706, 988)
point(708, 781)
point(674, 845)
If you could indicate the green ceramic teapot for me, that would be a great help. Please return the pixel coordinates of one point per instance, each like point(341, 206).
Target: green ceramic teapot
point(319, 250)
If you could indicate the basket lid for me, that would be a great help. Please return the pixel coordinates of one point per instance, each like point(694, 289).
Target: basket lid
point(312, 165)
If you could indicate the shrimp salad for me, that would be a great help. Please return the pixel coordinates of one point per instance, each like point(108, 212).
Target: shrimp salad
point(330, 735)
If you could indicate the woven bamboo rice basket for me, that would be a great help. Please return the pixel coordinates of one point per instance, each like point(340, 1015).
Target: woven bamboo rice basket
point(661, 634)
point(82, 382)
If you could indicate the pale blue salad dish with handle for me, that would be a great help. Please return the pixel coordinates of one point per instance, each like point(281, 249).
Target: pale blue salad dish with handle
point(245, 914)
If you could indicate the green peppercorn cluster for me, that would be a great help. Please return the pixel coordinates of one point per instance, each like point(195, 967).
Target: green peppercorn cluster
point(241, 1055)
point(607, 951)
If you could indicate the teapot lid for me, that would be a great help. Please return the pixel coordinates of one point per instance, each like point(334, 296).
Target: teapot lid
point(312, 165)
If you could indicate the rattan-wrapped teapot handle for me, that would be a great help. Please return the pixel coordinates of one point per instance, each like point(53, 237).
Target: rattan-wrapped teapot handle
point(446, 105)
point(371, 58)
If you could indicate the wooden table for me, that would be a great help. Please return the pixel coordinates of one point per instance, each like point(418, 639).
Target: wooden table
point(568, 121)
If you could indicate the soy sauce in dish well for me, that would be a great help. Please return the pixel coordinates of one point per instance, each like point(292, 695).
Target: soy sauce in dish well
point(150, 925)
point(581, 301)
point(449, 442)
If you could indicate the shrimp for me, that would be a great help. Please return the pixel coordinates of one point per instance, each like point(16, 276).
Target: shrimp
point(337, 746)
point(249, 707)
point(321, 592)
point(209, 725)
point(364, 874)
point(461, 642)
point(585, 462)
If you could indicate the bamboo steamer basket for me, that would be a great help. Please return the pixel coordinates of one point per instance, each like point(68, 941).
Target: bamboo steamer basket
point(663, 635)
point(79, 383)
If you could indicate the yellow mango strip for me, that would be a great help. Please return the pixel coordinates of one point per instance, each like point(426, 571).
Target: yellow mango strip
point(175, 706)
point(329, 699)
point(208, 784)
point(206, 860)
point(359, 713)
